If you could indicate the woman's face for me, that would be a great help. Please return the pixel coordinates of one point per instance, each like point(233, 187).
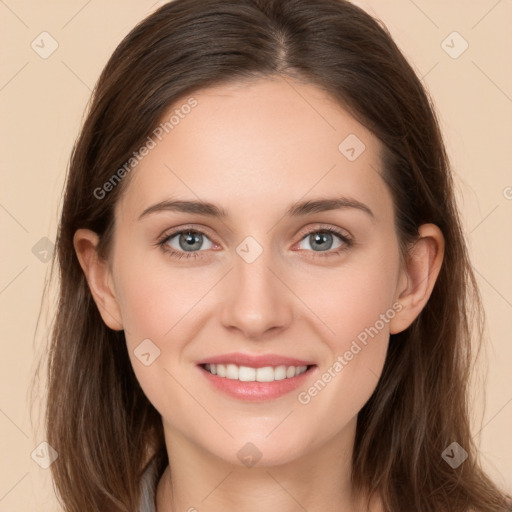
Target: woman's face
point(266, 279)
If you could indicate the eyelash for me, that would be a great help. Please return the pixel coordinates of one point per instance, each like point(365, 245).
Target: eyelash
point(162, 243)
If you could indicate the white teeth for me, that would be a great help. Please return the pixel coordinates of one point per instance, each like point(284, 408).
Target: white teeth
point(280, 372)
point(265, 374)
point(248, 374)
point(232, 371)
point(291, 372)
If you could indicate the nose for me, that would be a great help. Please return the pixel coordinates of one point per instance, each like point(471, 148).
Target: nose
point(256, 300)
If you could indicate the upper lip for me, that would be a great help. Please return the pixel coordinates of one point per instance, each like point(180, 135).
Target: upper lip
point(255, 361)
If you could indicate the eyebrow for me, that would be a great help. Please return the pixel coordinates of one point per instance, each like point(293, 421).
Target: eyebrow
point(295, 210)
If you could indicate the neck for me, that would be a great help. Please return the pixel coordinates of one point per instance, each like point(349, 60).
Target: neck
point(319, 480)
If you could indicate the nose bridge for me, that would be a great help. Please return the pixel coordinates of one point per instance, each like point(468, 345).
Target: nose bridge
point(256, 300)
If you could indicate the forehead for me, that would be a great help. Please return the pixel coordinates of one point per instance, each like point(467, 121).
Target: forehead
point(260, 143)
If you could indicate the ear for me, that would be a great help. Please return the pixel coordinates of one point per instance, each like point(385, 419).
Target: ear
point(417, 281)
point(99, 277)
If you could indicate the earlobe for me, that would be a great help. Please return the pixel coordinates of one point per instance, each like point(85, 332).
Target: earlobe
point(418, 279)
point(98, 277)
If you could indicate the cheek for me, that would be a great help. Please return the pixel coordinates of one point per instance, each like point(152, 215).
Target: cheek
point(154, 297)
point(154, 310)
point(145, 306)
point(162, 305)
point(351, 298)
point(356, 306)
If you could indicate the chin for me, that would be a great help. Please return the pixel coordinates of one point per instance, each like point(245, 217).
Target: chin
point(259, 452)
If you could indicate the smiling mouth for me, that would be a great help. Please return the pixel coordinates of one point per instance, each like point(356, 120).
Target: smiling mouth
point(250, 374)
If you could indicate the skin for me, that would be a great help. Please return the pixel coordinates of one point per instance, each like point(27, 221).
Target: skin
point(254, 149)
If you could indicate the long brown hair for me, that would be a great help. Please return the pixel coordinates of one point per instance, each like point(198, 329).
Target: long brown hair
point(98, 419)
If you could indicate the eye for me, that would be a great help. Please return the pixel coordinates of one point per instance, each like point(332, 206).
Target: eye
point(324, 241)
point(185, 243)
point(189, 243)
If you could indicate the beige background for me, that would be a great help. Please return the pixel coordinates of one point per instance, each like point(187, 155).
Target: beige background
point(42, 101)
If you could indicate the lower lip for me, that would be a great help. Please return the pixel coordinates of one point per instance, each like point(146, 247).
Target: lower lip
point(256, 391)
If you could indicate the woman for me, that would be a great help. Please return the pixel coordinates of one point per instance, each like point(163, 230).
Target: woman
point(265, 293)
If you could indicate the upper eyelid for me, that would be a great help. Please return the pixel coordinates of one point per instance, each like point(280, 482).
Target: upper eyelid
point(167, 234)
point(326, 227)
